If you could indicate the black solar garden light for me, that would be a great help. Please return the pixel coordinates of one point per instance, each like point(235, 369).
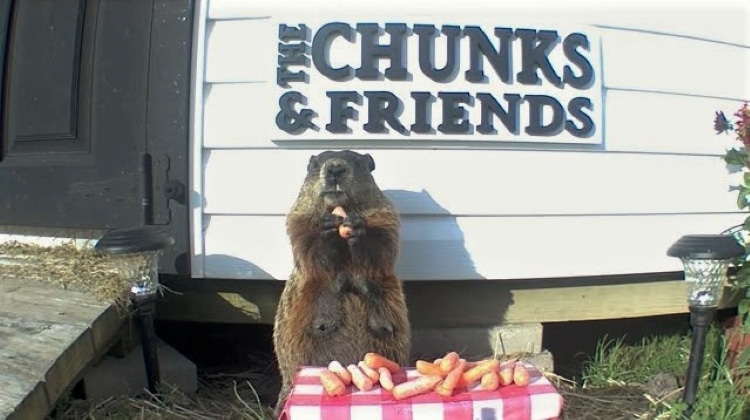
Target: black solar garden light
point(135, 253)
point(705, 259)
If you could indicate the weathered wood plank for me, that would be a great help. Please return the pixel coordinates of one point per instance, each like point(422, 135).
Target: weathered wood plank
point(51, 353)
point(43, 302)
point(22, 399)
point(47, 337)
point(472, 302)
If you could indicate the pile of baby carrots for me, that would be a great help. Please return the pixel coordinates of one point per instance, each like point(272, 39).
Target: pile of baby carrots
point(443, 376)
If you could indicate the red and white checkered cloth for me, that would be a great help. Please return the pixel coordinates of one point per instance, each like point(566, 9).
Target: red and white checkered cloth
point(308, 401)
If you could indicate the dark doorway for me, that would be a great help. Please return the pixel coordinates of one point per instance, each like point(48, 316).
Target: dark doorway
point(95, 116)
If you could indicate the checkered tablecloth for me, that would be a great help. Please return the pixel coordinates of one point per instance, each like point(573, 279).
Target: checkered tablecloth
point(308, 401)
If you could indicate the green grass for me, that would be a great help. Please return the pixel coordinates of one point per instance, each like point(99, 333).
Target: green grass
point(719, 396)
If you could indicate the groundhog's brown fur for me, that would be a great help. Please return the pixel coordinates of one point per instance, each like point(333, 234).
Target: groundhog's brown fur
point(342, 299)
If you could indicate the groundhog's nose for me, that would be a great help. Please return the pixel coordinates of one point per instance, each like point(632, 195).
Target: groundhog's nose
point(334, 172)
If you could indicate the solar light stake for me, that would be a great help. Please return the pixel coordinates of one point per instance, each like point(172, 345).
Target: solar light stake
point(705, 259)
point(135, 252)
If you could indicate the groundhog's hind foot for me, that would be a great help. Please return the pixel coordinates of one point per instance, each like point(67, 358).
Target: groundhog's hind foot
point(378, 324)
point(328, 315)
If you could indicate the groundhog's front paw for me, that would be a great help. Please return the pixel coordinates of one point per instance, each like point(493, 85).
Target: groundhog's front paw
point(329, 226)
point(357, 225)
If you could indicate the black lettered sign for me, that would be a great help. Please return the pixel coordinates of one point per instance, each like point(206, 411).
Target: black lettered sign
point(433, 81)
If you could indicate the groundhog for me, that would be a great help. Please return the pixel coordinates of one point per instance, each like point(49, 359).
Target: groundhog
point(342, 298)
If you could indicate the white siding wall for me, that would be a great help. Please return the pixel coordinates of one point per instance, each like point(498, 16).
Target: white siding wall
point(489, 212)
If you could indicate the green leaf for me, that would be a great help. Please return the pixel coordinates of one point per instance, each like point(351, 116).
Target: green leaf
point(742, 197)
point(736, 157)
point(746, 178)
point(746, 225)
point(743, 277)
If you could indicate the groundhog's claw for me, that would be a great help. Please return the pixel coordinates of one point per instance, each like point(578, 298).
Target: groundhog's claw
point(357, 224)
point(329, 226)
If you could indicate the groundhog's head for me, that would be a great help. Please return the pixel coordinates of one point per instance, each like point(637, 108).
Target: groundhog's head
point(340, 178)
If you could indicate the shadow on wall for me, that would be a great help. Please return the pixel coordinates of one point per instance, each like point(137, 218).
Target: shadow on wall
point(229, 267)
point(451, 305)
point(442, 286)
point(432, 243)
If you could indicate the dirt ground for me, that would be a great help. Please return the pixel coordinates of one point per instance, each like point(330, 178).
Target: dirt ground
point(229, 357)
point(234, 349)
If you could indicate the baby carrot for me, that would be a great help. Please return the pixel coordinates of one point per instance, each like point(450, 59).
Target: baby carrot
point(490, 381)
point(360, 380)
point(371, 373)
point(521, 375)
point(339, 211)
point(340, 371)
point(332, 383)
point(376, 361)
point(426, 368)
point(420, 385)
point(346, 231)
point(450, 382)
point(506, 374)
point(449, 362)
point(438, 360)
point(470, 363)
point(386, 379)
point(476, 373)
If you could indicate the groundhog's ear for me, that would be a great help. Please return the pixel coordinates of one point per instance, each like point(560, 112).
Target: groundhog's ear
point(369, 161)
point(312, 164)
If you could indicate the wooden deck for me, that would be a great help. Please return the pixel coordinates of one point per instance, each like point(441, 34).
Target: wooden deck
point(47, 337)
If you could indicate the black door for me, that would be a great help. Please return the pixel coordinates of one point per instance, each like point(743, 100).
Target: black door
point(95, 115)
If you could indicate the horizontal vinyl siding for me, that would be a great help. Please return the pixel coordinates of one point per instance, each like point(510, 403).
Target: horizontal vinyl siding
point(470, 182)
point(470, 248)
point(488, 210)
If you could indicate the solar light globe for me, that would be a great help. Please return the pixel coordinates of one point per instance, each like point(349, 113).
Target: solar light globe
point(135, 254)
point(705, 259)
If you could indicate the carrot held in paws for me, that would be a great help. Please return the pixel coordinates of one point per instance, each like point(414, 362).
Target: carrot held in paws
point(426, 368)
point(386, 379)
point(340, 371)
point(369, 372)
point(332, 383)
point(420, 385)
point(344, 230)
point(339, 211)
point(359, 379)
point(476, 373)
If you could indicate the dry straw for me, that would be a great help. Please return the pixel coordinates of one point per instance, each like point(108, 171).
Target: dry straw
point(66, 266)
